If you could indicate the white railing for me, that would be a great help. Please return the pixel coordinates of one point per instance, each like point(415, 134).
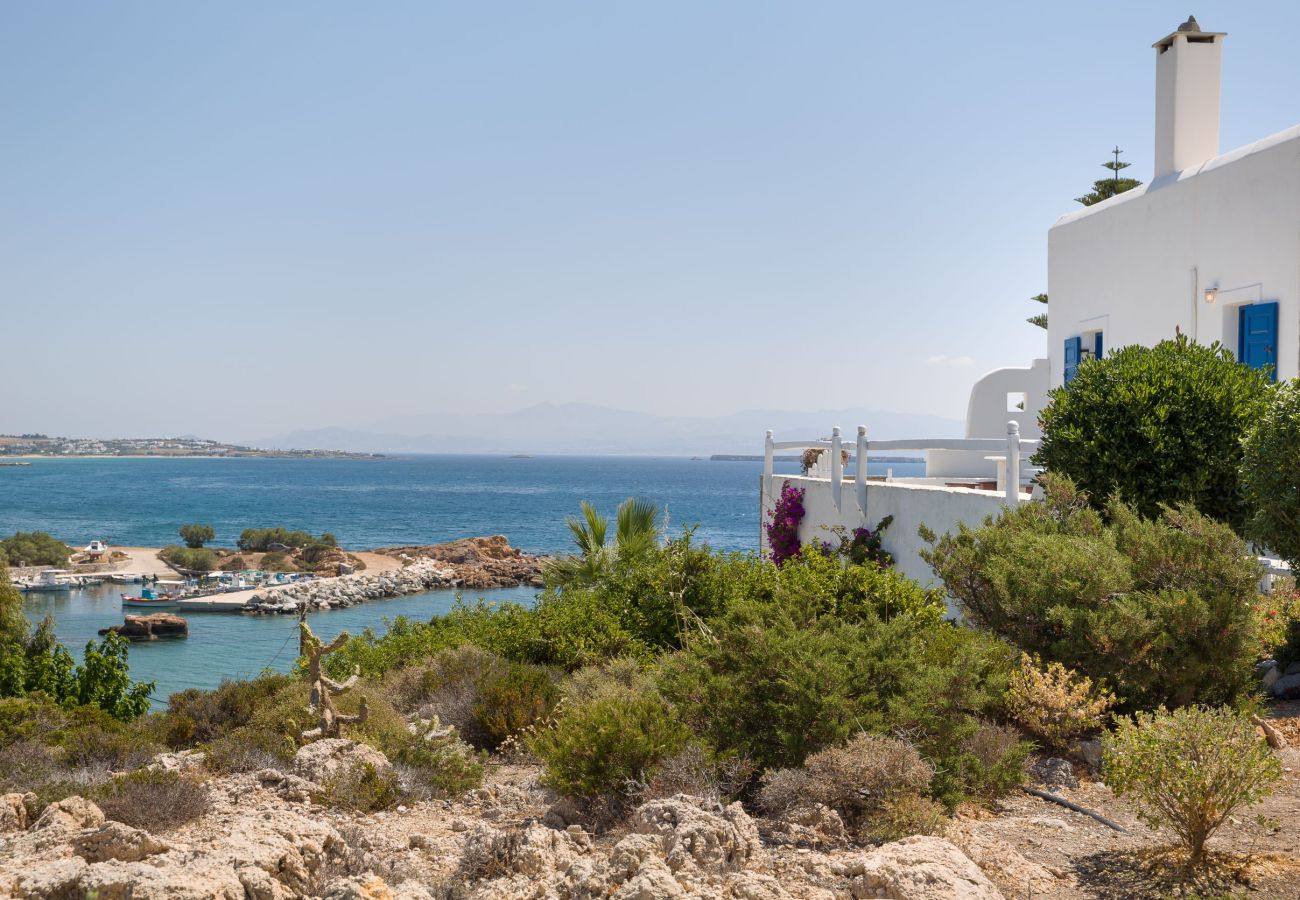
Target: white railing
point(1016, 449)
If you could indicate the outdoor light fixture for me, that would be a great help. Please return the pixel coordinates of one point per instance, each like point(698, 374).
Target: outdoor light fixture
point(1211, 294)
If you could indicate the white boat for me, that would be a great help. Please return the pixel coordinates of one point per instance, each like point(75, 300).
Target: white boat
point(48, 581)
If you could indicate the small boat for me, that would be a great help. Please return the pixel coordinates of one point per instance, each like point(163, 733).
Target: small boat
point(149, 600)
point(49, 580)
point(125, 578)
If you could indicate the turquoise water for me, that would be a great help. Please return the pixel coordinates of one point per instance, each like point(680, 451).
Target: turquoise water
point(366, 503)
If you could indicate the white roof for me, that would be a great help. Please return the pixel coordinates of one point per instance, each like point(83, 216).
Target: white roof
point(1224, 159)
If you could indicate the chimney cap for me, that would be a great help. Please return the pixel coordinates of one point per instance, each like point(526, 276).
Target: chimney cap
point(1189, 31)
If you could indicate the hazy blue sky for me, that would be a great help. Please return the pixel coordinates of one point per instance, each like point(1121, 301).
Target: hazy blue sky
point(236, 219)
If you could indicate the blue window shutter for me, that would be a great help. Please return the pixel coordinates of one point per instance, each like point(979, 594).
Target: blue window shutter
point(1096, 346)
point(1257, 336)
point(1073, 350)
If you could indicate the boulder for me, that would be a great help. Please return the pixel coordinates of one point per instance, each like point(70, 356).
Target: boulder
point(918, 868)
point(323, 760)
point(692, 838)
point(372, 887)
point(1054, 771)
point(70, 814)
point(288, 787)
point(15, 811)
point(1287, 687)
point(1005, 865)
point(113, 840)
point(180, 762)
point(1089, 750)
point(817, 824)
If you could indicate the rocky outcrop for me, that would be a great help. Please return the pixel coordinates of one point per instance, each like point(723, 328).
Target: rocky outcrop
point(324, 760)
point(71, 814)
point(16, 811)
point(113, 840)
point(918, 868)
point(480, 562)
point(151, 627)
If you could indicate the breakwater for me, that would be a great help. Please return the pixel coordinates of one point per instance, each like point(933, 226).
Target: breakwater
point(350, 590)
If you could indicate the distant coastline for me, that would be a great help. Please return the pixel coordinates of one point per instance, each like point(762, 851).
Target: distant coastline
point(40, 446)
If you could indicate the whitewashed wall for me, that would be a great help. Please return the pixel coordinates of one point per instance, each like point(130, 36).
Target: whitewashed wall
point(1137, 266)
point(938, 507)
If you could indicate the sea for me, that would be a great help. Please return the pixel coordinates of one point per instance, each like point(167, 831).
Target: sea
point(365, 503)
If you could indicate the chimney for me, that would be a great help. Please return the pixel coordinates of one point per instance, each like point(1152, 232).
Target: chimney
point(1188, 65)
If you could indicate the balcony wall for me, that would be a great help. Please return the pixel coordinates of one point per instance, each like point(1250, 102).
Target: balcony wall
point(937, 506)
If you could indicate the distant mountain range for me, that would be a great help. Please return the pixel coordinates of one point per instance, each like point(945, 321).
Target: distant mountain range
point(580, 428)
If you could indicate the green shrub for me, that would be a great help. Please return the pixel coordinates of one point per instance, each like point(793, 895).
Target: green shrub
point(262, 539)
point(196, 535)
point(854, 779)
point(362, 788)
point(35, 548)
point(234, 563)
point(438, 768)
point(1189, 770)
point(190, 560)
point(32, 661)
point(197, 716)
point(153, 799)
point(1157, 425)
point(1270, 472)
point(1055, 704)
point(1164, 611)
point(596, 749)
point(512, 699)
point(92, 738)
point(776, 687)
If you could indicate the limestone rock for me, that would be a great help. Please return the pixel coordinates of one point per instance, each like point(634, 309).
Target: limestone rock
point(14, 811)
point(113, 840)
point(1054, 770)
point(1287, 687)
point(372, 887)
point(180, 762)
point(755, 886)
point(70, 814)
point(694, 838)
point(919, 868)
point(817, 824)
point(289, 787)
point(57, 878)
point(326, 759)
point(1003, 864)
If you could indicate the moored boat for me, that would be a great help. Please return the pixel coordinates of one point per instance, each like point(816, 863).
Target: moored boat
point(49, 580)
point(147, 599)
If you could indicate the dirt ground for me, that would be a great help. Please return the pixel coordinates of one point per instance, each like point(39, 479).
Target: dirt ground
point(1256, 853)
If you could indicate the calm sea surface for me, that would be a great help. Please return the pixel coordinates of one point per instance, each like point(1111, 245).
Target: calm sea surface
point(366, 503)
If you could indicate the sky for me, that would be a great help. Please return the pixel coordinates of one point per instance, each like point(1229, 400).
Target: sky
point(240, 219)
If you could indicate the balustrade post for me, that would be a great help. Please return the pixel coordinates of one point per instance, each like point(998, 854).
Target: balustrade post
point(1013, 462)
point(837, 465)
point(860, 470)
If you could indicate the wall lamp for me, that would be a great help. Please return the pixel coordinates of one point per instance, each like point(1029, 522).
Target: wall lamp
point(1211, 295)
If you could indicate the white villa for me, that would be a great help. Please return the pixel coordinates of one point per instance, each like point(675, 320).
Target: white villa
point(1210, 248)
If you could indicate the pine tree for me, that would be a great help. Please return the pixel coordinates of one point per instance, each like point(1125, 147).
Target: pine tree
point(1105, 188)
point(1039, 319)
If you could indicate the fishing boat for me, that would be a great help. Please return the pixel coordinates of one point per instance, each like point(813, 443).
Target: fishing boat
point(149, 600)
point(48, 581)
point(125, 578)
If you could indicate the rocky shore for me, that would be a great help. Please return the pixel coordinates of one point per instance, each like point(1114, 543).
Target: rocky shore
point(264, 836)
point(473, 564)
